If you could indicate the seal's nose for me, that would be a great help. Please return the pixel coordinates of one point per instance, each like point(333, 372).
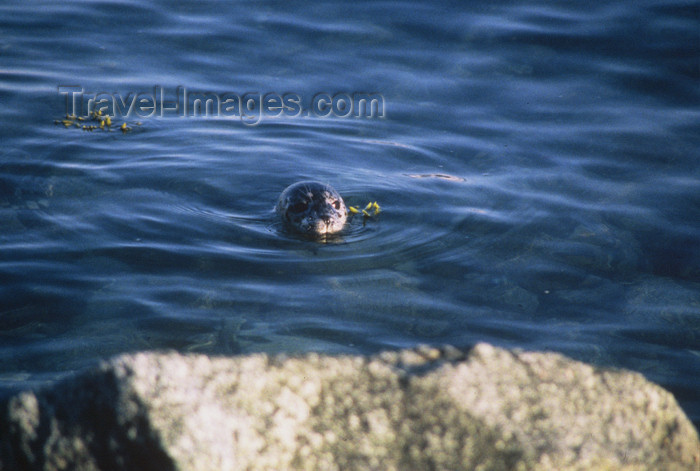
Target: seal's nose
point(325, 225)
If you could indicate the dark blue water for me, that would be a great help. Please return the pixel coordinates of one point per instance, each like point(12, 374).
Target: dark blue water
point(536, 163)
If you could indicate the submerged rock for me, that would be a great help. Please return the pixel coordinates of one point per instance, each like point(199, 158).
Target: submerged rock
point(488, 409)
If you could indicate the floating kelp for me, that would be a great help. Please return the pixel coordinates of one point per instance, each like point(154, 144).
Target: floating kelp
point(365, 212)
point(369, 212)
point(93, 122)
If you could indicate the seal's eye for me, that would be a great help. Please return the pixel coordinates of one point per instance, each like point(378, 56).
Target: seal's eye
point(298, 207)
point(336, 204)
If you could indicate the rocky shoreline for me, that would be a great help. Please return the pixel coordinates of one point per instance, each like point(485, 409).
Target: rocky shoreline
point(421, 409)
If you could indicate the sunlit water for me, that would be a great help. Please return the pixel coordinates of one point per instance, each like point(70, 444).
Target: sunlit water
point(537, 169)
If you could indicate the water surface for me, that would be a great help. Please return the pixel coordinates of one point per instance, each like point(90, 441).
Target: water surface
point(536, 166)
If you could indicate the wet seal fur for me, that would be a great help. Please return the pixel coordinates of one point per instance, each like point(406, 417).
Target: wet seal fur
point(312, 208)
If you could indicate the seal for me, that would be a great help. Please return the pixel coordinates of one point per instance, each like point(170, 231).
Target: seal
point(312, 208)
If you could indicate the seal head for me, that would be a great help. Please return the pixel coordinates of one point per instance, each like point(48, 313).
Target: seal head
point(312, 208)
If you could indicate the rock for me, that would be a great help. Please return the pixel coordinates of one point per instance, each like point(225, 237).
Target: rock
point(421, 409)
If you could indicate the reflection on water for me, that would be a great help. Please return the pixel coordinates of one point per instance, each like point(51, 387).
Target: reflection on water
point(534, 168)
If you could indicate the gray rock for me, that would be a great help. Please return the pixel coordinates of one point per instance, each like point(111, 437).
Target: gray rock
point(423, 409)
